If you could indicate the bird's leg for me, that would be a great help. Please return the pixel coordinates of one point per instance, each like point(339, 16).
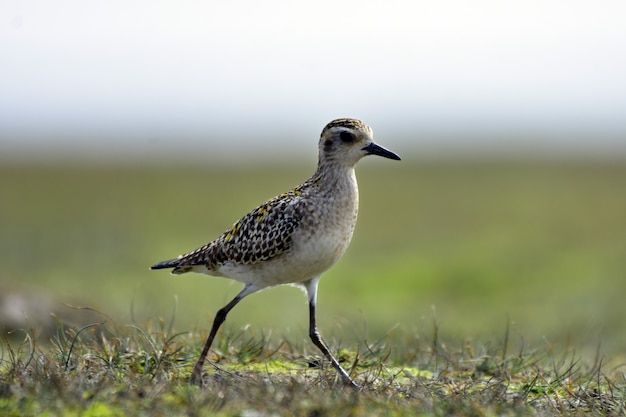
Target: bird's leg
point(316, 338)
point(196, 375)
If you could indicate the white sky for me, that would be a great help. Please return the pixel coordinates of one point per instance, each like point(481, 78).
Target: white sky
point(154, 75)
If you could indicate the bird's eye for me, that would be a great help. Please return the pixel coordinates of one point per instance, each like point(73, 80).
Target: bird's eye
point(346, 136)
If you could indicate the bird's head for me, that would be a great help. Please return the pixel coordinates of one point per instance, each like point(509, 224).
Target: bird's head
point(347, 141)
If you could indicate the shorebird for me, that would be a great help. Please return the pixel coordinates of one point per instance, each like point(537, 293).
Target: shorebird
point(294, 237)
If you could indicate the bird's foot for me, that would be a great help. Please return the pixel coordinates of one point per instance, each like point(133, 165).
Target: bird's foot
point(196, 376)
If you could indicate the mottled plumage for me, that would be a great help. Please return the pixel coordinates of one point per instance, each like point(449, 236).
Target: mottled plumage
point(294, 237)
point(260, 235)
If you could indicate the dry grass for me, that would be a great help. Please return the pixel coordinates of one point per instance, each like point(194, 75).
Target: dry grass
point(105, 369)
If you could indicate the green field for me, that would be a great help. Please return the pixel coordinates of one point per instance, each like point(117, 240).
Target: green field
point(461, 249)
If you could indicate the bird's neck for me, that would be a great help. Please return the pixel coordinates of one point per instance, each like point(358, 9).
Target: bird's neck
point(334, 177)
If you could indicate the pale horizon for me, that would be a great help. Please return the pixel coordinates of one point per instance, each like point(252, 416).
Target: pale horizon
point(161, 78)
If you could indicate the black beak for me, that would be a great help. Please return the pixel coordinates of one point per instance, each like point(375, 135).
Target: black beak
point(374, 149)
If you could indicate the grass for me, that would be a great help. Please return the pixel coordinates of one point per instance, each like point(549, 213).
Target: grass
point(470, 288)
point(110, 370)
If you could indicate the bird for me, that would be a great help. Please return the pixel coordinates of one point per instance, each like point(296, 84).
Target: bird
point(292, 238)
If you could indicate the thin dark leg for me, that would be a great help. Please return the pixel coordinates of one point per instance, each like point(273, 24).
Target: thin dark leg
point(196, 375)
point(316, 338)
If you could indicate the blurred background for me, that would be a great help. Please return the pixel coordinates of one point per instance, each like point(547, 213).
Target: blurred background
point(133, 131)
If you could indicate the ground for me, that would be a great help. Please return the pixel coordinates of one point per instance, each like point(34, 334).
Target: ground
point(471, 288)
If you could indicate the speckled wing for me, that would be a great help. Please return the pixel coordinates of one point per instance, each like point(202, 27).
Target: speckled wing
point(260, 235)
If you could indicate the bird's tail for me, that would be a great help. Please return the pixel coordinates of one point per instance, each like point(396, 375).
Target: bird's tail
point(171, 263)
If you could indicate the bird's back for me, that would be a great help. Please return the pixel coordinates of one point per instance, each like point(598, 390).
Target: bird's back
point(260, 235)
point(290, 238)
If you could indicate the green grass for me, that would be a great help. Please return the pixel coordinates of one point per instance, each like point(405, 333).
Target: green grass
point(446, 254)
